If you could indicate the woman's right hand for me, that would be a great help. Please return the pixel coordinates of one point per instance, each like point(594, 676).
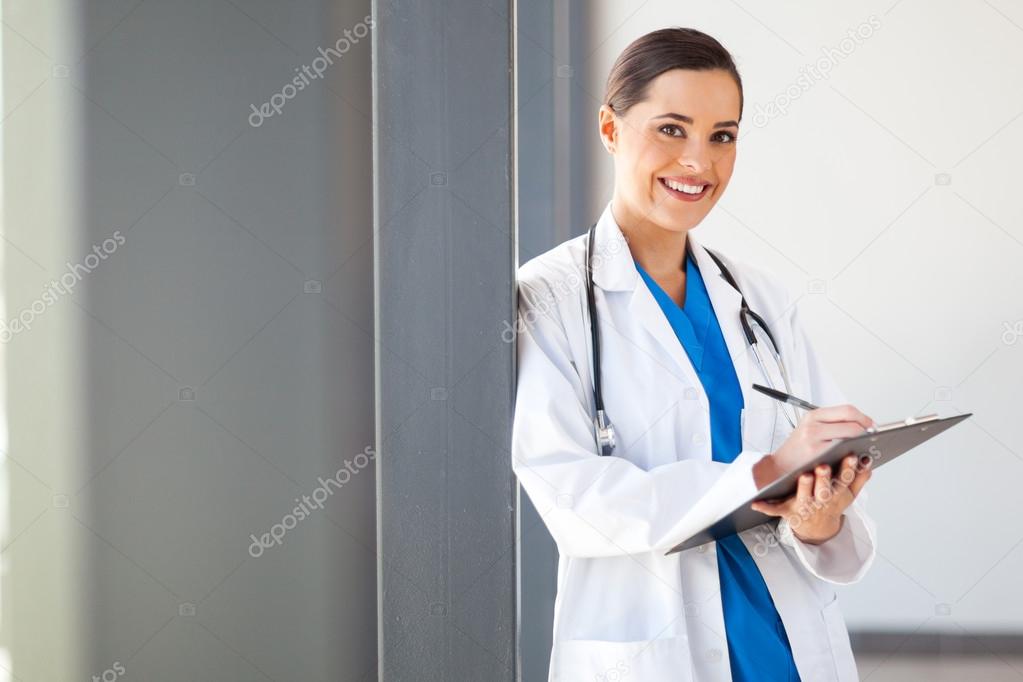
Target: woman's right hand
point(812, 436)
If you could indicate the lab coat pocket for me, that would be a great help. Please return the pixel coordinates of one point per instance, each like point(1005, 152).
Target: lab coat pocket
point(782, 426)
point(592, 659)
point(759, 424)
point(841, 649)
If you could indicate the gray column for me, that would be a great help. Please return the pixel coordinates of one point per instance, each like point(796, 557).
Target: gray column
point(559, 157)
point(444, 256)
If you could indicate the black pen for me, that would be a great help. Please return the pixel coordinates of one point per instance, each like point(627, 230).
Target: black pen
point(785, 397)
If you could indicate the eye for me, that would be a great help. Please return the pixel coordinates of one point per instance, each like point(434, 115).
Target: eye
point(671, 127)
point(730, 137)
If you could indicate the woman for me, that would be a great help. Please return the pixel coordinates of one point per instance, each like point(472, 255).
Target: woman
point(693, 439)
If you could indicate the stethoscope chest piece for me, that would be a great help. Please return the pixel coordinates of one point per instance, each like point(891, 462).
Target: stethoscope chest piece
point(605, 433)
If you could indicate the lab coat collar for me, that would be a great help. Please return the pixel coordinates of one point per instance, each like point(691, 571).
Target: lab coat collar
point(615, 270)
point(613, 267)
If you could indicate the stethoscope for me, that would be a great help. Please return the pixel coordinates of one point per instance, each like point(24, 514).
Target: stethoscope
point(603, 427)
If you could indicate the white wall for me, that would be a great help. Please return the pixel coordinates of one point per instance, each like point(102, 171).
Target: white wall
point(894, 181)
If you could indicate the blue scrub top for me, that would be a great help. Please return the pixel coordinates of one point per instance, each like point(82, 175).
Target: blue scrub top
point(758, 647)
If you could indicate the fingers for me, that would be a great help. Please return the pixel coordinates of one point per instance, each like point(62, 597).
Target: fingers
point(817, 489)
point(769, 508)
point(820, 436)
point(779, 506)
point(804, 490)
point(827, 431)
point(861, 477)
point(841, 413)
point(822, 491)
point(854, 475)
point(847, 472)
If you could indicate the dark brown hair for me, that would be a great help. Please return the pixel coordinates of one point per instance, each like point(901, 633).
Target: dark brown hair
point(650, 55)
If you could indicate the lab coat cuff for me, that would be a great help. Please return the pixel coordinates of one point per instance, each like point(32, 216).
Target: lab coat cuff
point(845, 558)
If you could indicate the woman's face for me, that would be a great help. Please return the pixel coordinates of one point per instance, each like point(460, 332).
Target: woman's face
point(683, 133)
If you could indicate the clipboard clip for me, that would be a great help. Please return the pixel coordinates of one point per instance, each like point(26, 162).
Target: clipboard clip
point(908, 421)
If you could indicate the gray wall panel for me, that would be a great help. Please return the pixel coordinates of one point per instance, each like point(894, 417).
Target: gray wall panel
point(214, 367)
point(444, 259)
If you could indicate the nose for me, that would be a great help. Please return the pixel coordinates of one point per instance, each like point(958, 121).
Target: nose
point(695, 156)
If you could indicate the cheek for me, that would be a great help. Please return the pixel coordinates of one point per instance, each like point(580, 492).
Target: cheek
point(647, 164)
point(643, 169)
point(724, 167)
point(634, 163)
point(645, 155)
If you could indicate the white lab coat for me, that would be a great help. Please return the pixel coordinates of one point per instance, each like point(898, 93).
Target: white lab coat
point(624, 610)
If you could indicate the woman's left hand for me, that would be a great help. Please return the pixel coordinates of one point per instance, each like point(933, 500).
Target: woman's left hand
point(815, 511)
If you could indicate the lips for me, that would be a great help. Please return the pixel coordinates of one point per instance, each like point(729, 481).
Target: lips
point(685, 196)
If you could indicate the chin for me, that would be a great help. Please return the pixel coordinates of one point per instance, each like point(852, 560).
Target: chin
point(679, 219)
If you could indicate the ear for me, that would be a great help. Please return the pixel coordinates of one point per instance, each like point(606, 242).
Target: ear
point(608, 127)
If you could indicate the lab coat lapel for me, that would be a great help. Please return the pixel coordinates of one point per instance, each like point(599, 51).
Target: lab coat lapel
point(645, 308)
point(615, 270)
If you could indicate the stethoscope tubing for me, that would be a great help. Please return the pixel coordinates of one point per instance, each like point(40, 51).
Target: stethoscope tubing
point(602, 424)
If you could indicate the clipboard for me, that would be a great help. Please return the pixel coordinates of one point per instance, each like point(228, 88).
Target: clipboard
point(881, 443)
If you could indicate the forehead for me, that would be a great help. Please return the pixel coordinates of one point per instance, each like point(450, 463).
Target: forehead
point(705, 95)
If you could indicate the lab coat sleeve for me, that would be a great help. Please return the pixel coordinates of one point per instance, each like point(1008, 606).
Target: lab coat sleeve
point(845, 558)
point(595, 505)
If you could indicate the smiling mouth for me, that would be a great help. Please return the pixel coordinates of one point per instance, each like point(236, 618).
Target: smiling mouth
point(683, 191)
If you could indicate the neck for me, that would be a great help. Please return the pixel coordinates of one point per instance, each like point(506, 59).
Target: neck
point(659, 251)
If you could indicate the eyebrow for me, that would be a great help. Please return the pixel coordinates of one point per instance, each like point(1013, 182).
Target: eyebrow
point(689, 120)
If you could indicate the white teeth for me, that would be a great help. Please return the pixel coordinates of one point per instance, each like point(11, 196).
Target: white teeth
point(688, 189)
